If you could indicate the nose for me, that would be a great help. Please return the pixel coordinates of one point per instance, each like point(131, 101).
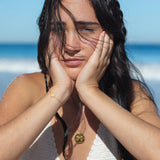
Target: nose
point(72, 45)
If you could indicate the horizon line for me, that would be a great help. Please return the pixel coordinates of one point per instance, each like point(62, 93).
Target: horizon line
point(36, 43)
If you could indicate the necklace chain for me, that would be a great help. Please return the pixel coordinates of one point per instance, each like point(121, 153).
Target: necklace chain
point(79, 137)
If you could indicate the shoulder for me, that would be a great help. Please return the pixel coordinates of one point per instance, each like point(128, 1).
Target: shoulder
point(31, 85)
point(142, 99)
point(143, 105)
point(24, 91)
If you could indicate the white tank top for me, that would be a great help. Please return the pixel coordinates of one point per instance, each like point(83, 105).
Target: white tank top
point(44, 148)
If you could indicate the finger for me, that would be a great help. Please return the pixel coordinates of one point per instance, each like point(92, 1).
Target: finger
point(105, 56)
point(99, 47)
point(50, 46)
point(107, 50)
point(101, 73)
point(106, 46)
point(48, 53)
point(51, 56)
point(111, 43)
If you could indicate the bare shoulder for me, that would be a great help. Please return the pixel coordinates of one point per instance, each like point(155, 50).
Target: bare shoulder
point(24, 91)
point(143, 106)
point(29, 85)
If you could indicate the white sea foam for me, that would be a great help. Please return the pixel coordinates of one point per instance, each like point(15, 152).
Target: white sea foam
point(149, 71)
point(19, 65)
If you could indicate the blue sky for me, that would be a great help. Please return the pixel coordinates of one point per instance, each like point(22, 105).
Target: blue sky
point(18, 20)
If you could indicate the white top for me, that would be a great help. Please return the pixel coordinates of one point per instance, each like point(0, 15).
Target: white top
point(44, 148)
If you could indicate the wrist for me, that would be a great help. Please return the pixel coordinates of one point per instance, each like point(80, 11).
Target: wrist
point(84, 92)
point(85, 87)
point(59, 93)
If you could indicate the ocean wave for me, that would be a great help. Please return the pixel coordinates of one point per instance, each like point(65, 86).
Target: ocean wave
point(150, 71)
point(19, 65)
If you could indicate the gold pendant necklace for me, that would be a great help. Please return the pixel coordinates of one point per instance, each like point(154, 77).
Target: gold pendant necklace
point(79, 138)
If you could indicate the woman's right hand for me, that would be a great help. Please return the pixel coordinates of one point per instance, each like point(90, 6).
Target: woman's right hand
point(57, 73)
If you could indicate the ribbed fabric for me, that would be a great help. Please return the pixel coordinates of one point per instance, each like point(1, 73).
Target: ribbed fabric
point(104, 146)
point(44, 148)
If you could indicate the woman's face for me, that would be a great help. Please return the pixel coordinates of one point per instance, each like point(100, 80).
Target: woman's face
point(77, 49)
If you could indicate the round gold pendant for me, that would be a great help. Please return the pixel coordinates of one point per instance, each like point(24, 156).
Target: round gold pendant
point(79, 138)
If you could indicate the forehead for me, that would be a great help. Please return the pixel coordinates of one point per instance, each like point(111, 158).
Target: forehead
point(81, 10)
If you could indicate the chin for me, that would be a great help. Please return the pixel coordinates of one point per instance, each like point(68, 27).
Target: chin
point(73, 73)
point(73, 76)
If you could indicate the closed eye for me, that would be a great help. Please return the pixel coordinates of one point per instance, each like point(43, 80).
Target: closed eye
point(86, 29)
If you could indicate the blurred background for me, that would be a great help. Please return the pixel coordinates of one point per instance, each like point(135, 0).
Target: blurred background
point(19, 35)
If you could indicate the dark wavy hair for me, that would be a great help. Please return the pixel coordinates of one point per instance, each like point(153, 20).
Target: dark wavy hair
point(117, 81)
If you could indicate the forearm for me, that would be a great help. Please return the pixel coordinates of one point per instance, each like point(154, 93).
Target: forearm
point(17, 135)
point(137, 136)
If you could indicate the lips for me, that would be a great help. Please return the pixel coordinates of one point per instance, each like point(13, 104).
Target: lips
point(73, 62)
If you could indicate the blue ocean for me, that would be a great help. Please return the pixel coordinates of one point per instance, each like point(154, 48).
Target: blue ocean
point(17, 59)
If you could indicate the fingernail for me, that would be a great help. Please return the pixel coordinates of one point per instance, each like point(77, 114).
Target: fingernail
point(103, 33)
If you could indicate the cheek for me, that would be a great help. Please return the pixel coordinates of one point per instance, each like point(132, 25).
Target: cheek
point(55, 41)
point(88, 49)
point(89, 43)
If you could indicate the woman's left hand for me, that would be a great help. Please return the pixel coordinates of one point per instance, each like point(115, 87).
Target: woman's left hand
point(96, 65)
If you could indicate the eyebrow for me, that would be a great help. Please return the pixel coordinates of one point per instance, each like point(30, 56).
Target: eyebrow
point(83, 23)
point(58, 23)
point(87, 23)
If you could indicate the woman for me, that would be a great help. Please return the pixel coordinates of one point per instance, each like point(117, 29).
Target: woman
point(92, 100)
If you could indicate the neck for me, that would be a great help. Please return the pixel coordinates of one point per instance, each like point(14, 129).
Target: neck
point(73, 102)
point(75, 97)
point(72, 108)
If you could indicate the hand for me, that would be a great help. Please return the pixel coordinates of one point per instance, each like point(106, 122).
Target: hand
point(96, 65)
point(56, 71)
